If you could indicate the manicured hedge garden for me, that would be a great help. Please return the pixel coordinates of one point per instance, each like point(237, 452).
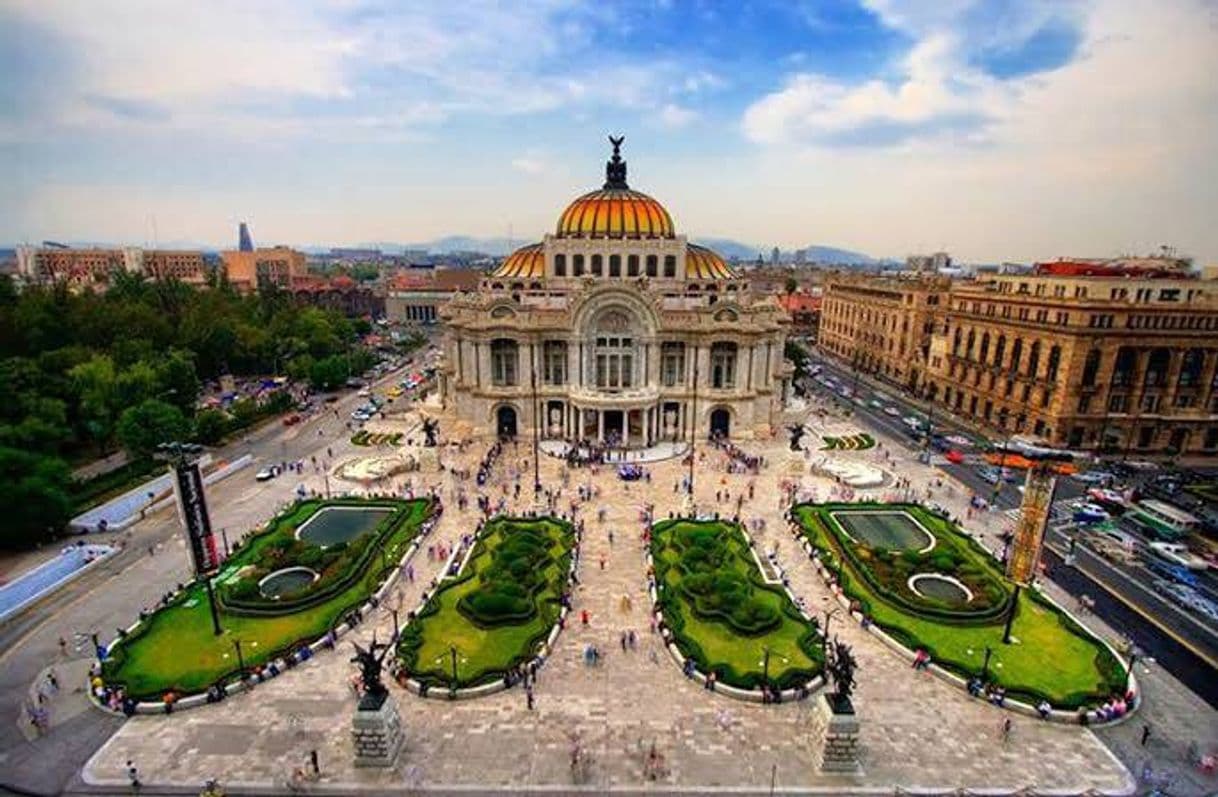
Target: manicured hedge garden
point(722, 613)
point(1053, 658)
point(851, 442)
point(175, 649)
point(365, 438)
point(498, 611)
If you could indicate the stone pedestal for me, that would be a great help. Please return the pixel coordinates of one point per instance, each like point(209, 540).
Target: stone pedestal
point(836, 739)
point(376, 731)
point(428, 459)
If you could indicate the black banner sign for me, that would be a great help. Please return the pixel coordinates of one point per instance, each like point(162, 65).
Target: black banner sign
point(198, 523)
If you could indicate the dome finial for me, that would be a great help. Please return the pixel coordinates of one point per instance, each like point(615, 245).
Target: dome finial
point(615, 169)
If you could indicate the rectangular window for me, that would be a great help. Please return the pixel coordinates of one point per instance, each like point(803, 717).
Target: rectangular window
point(1146, 436)
point(577, 266)
point(1118, 403)
point(632, 265)
point(615, 265)
point(672, 364)
point(1150, 402)
point(653, 264)
point(670, 265)
point(554, 366)
point(1084, 403)
point(598, 268)
point(560, 265)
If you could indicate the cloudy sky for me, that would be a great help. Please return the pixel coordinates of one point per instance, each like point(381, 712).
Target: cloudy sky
point(997, 129)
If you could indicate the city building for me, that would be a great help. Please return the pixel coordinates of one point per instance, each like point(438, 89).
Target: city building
point(1110, 362)
point(181, 265)
point(244, 242)
point(55, 264)
point(933, 262)
point(881, 325)
point(248, 271)
point(416, 296)
point(615, 329)
point(804, 309)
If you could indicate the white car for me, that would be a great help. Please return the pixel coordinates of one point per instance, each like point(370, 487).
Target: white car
point(365, 393)
point(1178, 554)
point(264, 475)
point(891, 410)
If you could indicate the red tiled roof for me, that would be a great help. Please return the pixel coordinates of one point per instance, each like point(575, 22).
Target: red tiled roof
point(799, 303)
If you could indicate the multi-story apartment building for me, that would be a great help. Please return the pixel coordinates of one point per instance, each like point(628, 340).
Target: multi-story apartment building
point(249, 270)
point(75, 268)
point(881, 325)
point(181, 265)
point(1099, 362)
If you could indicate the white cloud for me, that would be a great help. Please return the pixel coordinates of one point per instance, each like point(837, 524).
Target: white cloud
point(1114, 152)
point(530, 163)
point(675, 116)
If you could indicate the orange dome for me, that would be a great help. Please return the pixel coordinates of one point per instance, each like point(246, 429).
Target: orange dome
point(703, 264)
point(615, 213)
point(527, 262)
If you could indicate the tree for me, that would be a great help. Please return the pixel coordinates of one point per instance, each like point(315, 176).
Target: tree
point(179, 380)
point(792, 285)
point(148, 424)
point(34, 493)
point(328, 372)
point(210, 426)
point(95, 385)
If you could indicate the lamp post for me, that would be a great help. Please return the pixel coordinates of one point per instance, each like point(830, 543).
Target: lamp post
point(824, 629)
point(985, 664)
point(396, 629)
point(536, 429)
point(453, 655)
point(765, 663)
point(240, 658)
point(693, 429)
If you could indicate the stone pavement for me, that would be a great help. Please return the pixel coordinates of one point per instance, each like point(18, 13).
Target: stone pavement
point(917, 731)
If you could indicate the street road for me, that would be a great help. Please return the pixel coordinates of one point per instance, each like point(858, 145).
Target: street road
point(111, 595)
point(1183, 641)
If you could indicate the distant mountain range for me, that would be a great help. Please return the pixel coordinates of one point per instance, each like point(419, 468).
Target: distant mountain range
point(498, 247)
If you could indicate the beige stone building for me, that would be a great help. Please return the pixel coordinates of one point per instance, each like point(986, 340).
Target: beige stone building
point(277, 265)
point(615, 329)
point(882, 325)
point(181, 265)
point(1084, 362)
point(1113, 361)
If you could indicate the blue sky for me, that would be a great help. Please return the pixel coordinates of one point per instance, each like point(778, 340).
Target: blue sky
point(994, 128)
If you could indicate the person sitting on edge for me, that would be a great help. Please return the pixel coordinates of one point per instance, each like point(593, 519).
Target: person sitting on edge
point(1044, 709)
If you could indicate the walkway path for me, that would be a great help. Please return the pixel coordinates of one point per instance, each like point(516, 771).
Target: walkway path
point(917, 730)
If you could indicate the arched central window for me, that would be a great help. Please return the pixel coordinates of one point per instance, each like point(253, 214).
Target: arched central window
point(554, 362)
point(723, 365)
point(504, 357)
point(672, 363)
point(614, 362)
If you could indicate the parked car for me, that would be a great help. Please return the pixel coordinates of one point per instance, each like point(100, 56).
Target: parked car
point(331, 399)
point(891, 410)
point(265, 475)
point(291, 420)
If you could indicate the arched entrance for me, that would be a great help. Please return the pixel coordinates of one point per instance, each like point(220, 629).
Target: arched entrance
point(720, 423)
point(505, 421)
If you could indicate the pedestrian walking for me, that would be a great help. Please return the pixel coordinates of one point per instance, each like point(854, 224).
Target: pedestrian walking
point(63, 647)
point(314, 763)
point(133, 775)
point(1145, 734)
point(1005, 731)
point(528, 697)
point(583, 617)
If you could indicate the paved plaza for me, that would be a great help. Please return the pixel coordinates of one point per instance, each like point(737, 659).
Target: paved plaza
point(917, 731)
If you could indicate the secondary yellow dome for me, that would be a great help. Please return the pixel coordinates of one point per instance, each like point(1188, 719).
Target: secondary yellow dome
point(704, 264)
point(527, 262)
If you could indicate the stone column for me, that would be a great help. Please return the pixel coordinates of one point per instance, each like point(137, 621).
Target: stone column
point(600, 426)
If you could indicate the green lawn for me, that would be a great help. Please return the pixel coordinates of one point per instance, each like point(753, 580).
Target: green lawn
point(176, 649)
point(1053, 658)
point(486, 650)
point(727, 626)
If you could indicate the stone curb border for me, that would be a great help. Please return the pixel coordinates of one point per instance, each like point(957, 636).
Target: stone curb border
point(249, 682)
point(1019, 707)
point(747, 695)
point(543, 652)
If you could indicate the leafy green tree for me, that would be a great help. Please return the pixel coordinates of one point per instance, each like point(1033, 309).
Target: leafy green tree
point(179, 380)
point(210, 426)
point(148, 424)
point(328, 372)
point(96, 386)
point(34, 493)
point(792, 285)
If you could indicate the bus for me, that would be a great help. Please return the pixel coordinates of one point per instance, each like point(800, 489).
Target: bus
point(1163, 520)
